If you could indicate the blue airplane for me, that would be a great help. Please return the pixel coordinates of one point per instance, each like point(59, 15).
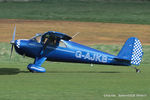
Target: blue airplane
point(58, 47)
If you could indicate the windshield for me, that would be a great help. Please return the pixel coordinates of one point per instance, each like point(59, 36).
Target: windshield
point(37, 38)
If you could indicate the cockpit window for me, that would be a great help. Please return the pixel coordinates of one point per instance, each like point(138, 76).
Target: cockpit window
point(49, 39)
point(37, 39)
point(62, 44)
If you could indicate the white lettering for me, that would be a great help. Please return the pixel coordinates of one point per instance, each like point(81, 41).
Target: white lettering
point(104, 59)
point(93, 58)
point(98, 57)
point(87, 56)
point(78, 54)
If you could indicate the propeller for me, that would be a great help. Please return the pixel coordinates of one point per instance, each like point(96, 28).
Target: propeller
point(13, 41)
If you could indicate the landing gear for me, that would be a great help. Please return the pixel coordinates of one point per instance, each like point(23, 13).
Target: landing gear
point(137, 70)
point(35, 68)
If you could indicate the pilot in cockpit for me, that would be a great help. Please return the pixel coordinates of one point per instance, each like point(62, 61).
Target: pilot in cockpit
point(50, 39)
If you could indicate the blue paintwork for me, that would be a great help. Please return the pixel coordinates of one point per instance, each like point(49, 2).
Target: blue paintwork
point(73, 52)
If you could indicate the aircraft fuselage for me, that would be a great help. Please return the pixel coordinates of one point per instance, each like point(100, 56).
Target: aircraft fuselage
point(71, 52)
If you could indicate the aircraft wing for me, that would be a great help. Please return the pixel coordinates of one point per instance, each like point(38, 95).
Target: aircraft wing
point(58, 34)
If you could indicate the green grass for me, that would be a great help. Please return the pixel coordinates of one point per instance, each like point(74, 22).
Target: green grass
point(68, 81)
point(79, 10)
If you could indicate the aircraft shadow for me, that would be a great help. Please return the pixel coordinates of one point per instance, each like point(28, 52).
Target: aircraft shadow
point(11, 71)
point(82, 72)
point(14, 71)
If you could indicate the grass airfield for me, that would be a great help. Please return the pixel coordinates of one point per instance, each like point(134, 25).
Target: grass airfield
point(73, 81)
point(68, 81)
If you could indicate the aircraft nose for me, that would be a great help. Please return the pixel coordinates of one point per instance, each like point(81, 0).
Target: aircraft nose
point(17, 43)
point(20, 43)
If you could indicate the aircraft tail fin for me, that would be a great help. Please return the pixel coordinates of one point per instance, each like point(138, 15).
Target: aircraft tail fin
point(131, 51)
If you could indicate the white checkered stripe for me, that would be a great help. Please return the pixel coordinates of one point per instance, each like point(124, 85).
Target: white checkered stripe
point(137, 53)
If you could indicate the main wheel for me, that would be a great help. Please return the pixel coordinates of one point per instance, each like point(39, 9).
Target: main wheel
point(35, 68)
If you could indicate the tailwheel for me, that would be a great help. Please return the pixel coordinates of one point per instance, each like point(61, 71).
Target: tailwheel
point(138, 70)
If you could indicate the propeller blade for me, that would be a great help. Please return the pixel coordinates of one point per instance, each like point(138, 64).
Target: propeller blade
point(13, 39)
point(11, 50)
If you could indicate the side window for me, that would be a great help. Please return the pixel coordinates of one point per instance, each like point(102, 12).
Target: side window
point(38, 39)
point(50, 41)
point(62, 44)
